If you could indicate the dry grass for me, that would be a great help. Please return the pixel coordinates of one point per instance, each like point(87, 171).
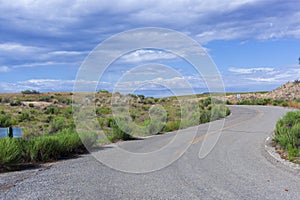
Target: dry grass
point(294, 104)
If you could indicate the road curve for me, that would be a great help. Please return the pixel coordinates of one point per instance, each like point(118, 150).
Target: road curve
point(238, 167)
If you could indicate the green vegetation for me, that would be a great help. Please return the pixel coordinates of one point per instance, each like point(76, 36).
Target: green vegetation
point(287, 134)
point(49, 129)
point(43, 148)
point(30, 92)
point(267, 101)
point(256, 102)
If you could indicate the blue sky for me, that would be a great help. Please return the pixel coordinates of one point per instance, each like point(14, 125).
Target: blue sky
point(254, 43)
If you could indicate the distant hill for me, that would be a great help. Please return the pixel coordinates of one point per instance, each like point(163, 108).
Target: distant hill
point(288, 91)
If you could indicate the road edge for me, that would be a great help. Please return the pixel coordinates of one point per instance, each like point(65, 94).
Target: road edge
point(270, 149)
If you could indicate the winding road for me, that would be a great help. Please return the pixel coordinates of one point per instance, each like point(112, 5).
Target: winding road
point(238, 167)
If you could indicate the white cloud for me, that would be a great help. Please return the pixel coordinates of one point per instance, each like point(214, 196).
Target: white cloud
point(37, 84)
point(18, 48)
point(264, 78)
point(39, 64)
point(67, 53)
point(250, 70)
point(209, 20)
point(271, 80)
point(158, 83)
point(143, 55)
point(42, 85)
point(4, 69)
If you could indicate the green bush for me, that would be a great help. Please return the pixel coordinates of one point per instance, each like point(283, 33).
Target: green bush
point(25, 116)
point(287, 133)
point(171, 126)
point(69, 142)
point(29, 151)
point(57, 124)
point(102, 111)
point(30, 92)
point(45, 98)
point(10, 151)
point(115, 133)
point(44, 148)
point(52, 110)
point(6, 100)
point(245, 102)
point(5, 120)
point(204, 116)
point(15, 102)
point(47, 148)
point(88, 138)
point(64, 100)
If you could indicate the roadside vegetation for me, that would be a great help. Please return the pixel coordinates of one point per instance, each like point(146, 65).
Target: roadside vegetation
point(49, 130)
point(267, 102)
point(286, 95)
point(287, 136)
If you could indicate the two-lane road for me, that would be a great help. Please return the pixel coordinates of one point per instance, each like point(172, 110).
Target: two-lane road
point(238, 167)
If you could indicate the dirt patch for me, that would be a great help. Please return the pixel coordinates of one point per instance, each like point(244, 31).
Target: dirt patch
point(37, 104)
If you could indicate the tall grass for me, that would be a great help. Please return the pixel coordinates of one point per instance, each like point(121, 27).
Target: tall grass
point(44, 148)
point(287, 133)
point(10, 151)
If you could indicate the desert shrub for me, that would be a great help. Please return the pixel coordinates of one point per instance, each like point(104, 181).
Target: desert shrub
point(228, 102)
point(88, 138)
point(190, 119)
point(115, 133)
point(219, 111)
point(103, 111)
point(45, 98)
point(141, 96)
point(10, 151)
point(5, 120)
point(47, 148)
point(29, 150)
point(57, 124)
point(287, 133)
point(16, 102)
point(171, 126)
point(263, 101)
point(25, 116)
point(6, 100)
point(31, 105)
point(103, 91)
point(64, 100)
point(103, 122)
point(68, 111)
point(153, 126)
point(52, 147)
point(204, 116)
point(30, 92)
point(245, 102)
point(70, 142)
point(52, 110)
point(206, 101)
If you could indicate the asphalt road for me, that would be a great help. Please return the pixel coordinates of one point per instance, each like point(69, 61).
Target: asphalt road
point(238, 167)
